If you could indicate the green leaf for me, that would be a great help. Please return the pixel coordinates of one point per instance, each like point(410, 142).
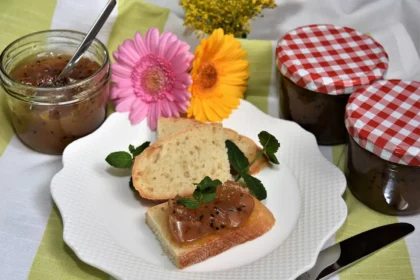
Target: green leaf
point(188, 202)
point(270, 145)
point(205, 195)
point(120, 159)
point(131, 149)
point(237, 158)
point(273, 158)
point(208, 197)
point(137, 151)
point(255, 186)
point(206, 190)
point(208, 182)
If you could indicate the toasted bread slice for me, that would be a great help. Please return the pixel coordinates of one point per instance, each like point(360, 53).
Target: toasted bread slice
point(172, 165)
point(185, 254)
point(168, 126)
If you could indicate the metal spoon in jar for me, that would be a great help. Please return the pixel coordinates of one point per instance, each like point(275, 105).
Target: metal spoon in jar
point(87, 41)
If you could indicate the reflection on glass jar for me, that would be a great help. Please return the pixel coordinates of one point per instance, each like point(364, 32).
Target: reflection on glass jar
point(48, 115)
point(384, 186)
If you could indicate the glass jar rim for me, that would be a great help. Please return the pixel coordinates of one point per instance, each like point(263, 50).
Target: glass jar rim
point(61, 88)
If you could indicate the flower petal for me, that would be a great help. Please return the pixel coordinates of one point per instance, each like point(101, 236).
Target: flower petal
point(117, 92)
point(180, 64)
point(152, 40)
point(139, 44)
point(222, 111)
point(184, 78)
point(163, 42)
point(121, 70)
point(122, 82)
point(153, 115)
point(124, 104)
point(180, 95)
point(129, 49)
point(139, 111)
point(165, 106)
point(127, 60)
point(172, 48)
point(210, 113)
point(200, 116)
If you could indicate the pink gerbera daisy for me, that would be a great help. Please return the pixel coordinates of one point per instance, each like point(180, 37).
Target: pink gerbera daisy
point(151, 77)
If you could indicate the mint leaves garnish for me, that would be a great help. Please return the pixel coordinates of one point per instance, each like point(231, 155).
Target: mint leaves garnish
point(270, 145)
point(255, 186)
point(237, 158)
point(137, 151)
point(125, 160)
point(205, 192)
point(120, 160)
point(189, 203)
point(239, 162)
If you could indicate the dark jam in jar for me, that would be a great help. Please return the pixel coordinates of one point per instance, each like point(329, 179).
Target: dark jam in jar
point(321, 114)
point(48, 127)
point(43, 71)
point(386, 187)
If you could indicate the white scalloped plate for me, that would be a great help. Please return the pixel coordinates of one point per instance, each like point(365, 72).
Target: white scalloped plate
point(104, 220)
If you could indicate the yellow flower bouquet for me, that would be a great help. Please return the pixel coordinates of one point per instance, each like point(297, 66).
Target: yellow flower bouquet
point(233, 16)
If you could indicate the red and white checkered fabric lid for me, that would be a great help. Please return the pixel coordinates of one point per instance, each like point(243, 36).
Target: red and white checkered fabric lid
point(330, 59)
point(384, 118)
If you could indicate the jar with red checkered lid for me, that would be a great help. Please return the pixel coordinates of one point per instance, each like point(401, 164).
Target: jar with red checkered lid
point(320, 66)
point(383, 159)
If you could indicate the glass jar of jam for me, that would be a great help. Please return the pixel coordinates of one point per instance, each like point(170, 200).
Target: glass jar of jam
point(320, 66)
point(48, 114)
point(383, 160)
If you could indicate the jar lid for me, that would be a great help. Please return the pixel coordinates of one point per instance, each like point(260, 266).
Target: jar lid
point(330, 59)
point(384, 118)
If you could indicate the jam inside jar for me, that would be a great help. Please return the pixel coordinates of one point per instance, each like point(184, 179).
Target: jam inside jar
point(318, 113)
point(386, 187)
point(47, 114)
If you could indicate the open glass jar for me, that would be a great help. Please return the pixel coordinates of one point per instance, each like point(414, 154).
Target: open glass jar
point(320, 66)
point(383, 160)
point(48, 116)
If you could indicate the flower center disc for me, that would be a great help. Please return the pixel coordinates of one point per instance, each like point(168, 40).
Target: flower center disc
point(207, 76)
point(153, 80)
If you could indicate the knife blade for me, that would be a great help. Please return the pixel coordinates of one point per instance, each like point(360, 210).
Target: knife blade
point(354, 249)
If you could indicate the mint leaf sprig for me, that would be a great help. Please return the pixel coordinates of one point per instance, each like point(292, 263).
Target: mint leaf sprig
point(205, 192)
point(241, 164)
point(125, 160)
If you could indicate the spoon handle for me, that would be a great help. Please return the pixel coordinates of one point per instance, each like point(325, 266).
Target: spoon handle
point(91, 35)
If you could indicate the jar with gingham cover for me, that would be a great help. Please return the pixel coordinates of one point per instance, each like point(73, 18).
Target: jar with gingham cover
point(383, 158)
point(320, 66)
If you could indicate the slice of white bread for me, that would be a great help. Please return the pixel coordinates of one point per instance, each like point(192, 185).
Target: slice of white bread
point(172, 165)
point(168, 126)
point(185, 254)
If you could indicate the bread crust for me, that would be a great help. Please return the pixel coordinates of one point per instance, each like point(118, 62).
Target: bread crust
point(186, 254)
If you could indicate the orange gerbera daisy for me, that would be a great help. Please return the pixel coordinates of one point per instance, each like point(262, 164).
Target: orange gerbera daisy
point(220, 75)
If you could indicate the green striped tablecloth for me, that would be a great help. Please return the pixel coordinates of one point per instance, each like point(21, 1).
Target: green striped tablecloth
point(47, 257)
